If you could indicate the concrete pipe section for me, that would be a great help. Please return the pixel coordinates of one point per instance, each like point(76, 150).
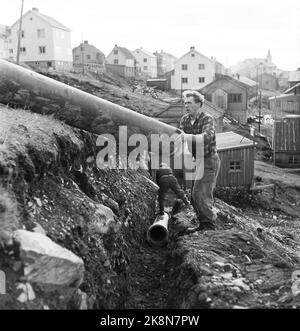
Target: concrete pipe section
point(158, 233)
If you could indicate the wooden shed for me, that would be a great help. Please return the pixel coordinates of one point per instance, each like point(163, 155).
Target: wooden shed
point(237, 160)
point(286, 142)
point(231, 94)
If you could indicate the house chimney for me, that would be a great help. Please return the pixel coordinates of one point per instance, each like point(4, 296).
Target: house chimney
point(35, 9)
point(86, 42)
point(192, 48)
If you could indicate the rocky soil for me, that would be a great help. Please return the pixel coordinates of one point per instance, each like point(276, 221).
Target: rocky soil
point(51, 187)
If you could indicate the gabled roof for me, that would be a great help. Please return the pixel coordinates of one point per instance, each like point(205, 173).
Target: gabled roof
point(51, 21)
point(247, 81)
point(229, 79)
point(282, 96)
point(194, 51)
point(88, 47)
point(292, 88)
point(141, 50)
point(126, 52)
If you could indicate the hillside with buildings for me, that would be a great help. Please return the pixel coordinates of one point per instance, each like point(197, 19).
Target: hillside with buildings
point(96, 220)
point(74, 235)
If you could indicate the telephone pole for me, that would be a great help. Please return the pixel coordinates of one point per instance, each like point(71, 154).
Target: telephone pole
point(20, 34)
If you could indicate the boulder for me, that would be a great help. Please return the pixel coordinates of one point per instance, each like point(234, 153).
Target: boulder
point(47, 263)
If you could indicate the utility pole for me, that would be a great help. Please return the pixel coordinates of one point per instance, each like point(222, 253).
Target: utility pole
point(20, 34)
point(82, 50)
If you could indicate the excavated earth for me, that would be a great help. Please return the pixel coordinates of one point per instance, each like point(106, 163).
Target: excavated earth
point(49, 178)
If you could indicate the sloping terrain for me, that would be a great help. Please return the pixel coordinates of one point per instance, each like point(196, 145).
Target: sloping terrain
point(49, 179)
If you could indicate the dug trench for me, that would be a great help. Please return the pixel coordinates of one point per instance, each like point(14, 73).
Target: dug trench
point(50, 185)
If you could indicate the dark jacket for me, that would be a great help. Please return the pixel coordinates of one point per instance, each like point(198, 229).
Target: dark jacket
point(163, 172)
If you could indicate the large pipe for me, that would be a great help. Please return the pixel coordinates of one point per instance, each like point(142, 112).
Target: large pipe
point(158, 233)
point(30, 90)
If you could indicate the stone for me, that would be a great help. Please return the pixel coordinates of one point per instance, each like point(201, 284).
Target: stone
point(2, 282)
point(39, 229)
point(105, 220)
point(83, 305)
point(27, 293)
point(47, 263)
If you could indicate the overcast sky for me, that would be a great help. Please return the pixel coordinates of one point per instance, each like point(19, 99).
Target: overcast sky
point(230, 30)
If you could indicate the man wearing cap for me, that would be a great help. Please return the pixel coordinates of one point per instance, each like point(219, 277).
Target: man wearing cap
point(197, 122)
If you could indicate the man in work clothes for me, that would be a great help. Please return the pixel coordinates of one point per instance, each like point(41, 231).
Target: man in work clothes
point(166, 180)
point(198, 122)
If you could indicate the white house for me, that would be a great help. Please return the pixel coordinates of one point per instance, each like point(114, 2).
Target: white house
point(121, 61)
point(45, 43)
point(146, 62)
point(3, 41)
point(192, 71)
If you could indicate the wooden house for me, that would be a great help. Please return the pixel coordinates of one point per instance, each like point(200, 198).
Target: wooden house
point(88, 56)
point(230, 94)
point(287, 103)
point(237, 160)
point(120, 61)
point(267, 81)
point(286, 141)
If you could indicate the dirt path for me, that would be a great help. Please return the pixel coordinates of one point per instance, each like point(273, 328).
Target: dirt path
point(150, 286)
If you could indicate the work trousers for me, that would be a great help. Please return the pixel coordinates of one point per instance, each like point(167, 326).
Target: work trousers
point(202, 190)
point(165, 183)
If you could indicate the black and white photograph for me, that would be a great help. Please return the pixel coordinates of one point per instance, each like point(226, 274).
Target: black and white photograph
point(149, 159)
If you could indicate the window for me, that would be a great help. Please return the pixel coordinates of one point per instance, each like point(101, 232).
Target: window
point(42, 49)
point(293, 159)
point(116, 61)
point(192, 54)
point(145, 68)
point(77, 57)
point(278, 103)
point(201, 79)
point(234, 98)
point(184, 67)
point(116, 52)
point(11, 51)
point(234, 166)
point(88, 57)
point(208, 97)
point(23, 50)
point(184, 80)
point(201, 66)
point(41, 33)
point(145, 60)
point(22, 34)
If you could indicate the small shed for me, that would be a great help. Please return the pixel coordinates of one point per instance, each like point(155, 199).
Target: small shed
point(286, 141)
point(159, 83)
point(237, 160)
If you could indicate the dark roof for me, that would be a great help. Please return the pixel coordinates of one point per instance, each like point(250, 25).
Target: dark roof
point(229, 79)
point(292, 88)
point(88, 47)
point(126, 52)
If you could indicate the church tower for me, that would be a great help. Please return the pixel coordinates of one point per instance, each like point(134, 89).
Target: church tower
point(269, 57)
